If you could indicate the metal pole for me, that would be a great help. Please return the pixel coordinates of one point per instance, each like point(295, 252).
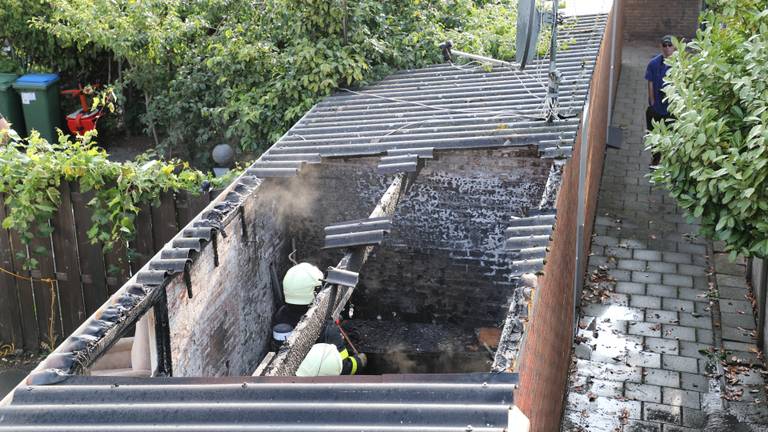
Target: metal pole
point(578, 277)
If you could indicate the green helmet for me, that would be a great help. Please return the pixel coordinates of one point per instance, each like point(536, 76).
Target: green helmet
point(300, 282)
point(322, 360)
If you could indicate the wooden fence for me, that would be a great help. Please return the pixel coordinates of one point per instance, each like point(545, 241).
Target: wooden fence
point(76, 276)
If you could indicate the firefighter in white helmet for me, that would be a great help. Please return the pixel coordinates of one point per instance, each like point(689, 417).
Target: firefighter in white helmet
point(299, 286)
point(325, 359)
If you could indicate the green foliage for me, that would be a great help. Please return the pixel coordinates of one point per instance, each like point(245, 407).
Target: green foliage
point(31, 172)
point(714, 158)
point(243, 72)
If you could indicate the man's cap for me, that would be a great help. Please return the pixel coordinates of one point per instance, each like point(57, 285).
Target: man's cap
point(666, 39)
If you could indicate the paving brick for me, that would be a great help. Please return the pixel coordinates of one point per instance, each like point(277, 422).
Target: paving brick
point(677, 305)
point(646, 277)
point(613, 312)
point(675, 257)
point(647, 255)
point(616, 299)
point(729, 280)
point(691, 270)
point(689, 381)
point(646, 302)
point(682, 398)
point(620, 275)
point(735, 306)
point(644, 359)
point(644, 329)
point(705, 336)
point(642, 392)
point(605, 388)
point(641, 426)
point(678, 280)
point(726, 292)
point(630, 288)
point(695, 320)
point(661, 346)
point(618, 252)
point(692, 248)
point(633, 243)
point(662, 413)
point(661, 316)
point(661, 290)
point(605, 241)
point(694, 349)
point(678, 332)
point(738, 346)
point(661, 377)
point(631, 264)
point(692, 294)
point(661, 267)
point(679, 363)
point(701, 283)
point(676, 428)
point(694, 418)
point(606, 371)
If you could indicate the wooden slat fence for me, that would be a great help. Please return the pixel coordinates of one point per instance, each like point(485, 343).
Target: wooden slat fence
point(84, 275)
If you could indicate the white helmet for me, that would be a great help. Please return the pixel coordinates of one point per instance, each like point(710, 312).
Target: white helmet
point(322, 360)
point(300, 282)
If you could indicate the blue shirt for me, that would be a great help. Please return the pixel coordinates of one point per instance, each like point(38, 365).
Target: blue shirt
point(655, 74)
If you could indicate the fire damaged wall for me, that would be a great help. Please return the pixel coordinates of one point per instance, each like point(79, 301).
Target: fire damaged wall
point(224, 328)
point(443, 260)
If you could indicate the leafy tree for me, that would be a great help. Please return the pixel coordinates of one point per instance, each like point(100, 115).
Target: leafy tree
point(714, 158)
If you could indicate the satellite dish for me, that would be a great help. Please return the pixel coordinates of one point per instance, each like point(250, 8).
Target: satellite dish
point(528, 27)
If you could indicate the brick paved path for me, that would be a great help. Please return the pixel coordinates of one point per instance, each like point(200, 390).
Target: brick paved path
point(644, 357)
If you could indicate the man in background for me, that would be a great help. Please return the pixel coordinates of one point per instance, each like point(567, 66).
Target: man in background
point(658, 108)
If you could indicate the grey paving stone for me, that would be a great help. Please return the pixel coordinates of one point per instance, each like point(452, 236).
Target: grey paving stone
point(679, 363)
point(616, 299)
point(669, 331)
point(633, 243)
point(641, 426)
point(603, 406)
point(682, 398)
point(620, 275)
point(618, 252)
point(676, 257)
point(642, 392)
point(661, 316)
point(690, 381)
point(692, 294)
point(661, 290)
point(735, 306)
point(730, 280)
point(644, 329)
point(647, 255)
point(692, 248)
point(677, 305)
point(661, 377)
point(697, 320)
point(646, 277)
point(662, 413)
point(584, 421)
point(749, 412)
point(678, 280)
point(693, 349)
point(700, 282)
point(630, 288)
point(734, 334)
point(676, 428)
point(632, 264)
point(739, 346)
point(646, 302)
point(613, 312)
point(644, 359)
point(746, 320)
point(607, 371)
point(726, 292)
point(703, 308)
point(605, 241)
point(661, 267)
point(661, 346)
point(691, 270)
point(704, 336)
point(605, 388)
point(694, 418)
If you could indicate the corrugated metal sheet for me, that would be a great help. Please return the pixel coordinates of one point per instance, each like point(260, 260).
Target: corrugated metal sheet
point(460, 402)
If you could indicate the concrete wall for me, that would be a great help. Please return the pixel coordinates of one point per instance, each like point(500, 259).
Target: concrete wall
point(652, 19)
point(224, 329)
point(546, 349)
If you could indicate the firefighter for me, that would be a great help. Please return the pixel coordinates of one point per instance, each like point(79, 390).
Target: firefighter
point(324, 359)
point(299, 285)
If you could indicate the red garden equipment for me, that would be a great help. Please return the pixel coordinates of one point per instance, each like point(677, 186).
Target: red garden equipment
point(84, 119)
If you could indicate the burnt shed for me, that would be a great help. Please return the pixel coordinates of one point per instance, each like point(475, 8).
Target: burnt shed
point(432, 197)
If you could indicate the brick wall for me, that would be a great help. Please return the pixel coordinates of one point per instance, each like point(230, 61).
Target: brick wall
point(548, 335)
point(224, 329)
point(651, 19)
point(444, 259)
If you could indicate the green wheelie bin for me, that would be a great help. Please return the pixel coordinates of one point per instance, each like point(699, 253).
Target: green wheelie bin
point(10, 104)
point(40, 102)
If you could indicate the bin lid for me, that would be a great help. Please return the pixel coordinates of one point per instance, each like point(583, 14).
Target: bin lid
point(6, 79)
point(35, 81)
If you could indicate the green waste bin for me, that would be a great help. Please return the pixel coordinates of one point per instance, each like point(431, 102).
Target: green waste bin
point(10, 104)
point(39, 95)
